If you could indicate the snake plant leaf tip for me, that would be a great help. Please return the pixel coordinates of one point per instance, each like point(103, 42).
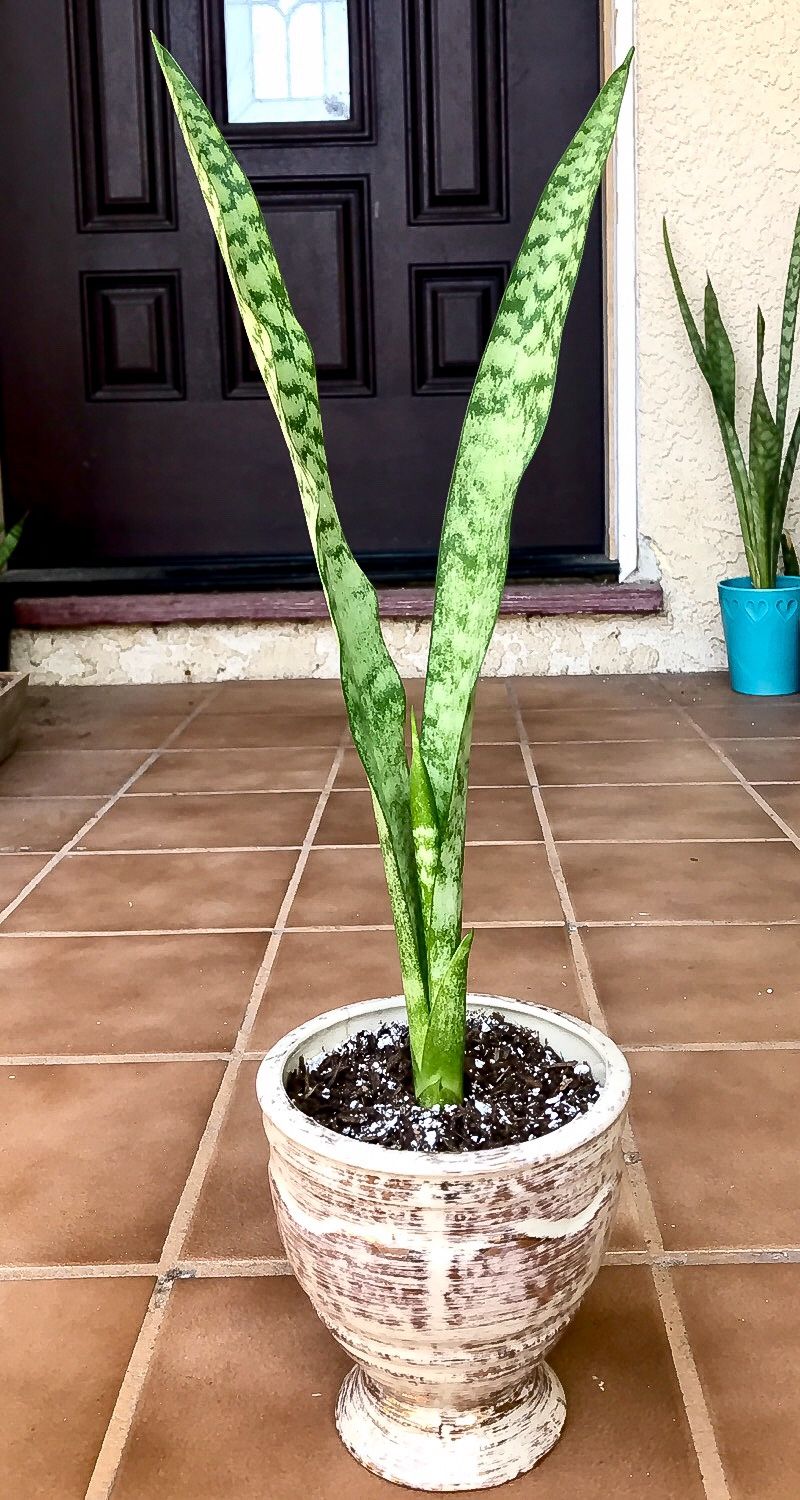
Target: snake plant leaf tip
point(762, 482)
point(420, 809)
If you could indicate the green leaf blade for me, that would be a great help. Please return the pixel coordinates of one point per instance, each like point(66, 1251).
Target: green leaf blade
point(505, 419)
point(444, 929)
point(765, 463)
point(698, 347)
point(10, 541)
point(424, 824)
point(737, 468)
point(720, 356)
point(788, 326)
point(789, 465)
point(442, 1072)
point(791, 563)
point(374, 695)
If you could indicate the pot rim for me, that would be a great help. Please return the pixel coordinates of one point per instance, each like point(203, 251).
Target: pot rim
point(306, 1133)
point(744, 581)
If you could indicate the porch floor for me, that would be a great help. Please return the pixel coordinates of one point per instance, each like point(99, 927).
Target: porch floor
point(187, 872)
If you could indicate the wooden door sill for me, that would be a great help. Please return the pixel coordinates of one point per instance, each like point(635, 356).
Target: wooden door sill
point(69, 612)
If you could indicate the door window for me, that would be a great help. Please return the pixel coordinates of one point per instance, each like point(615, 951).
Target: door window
point(287, 60)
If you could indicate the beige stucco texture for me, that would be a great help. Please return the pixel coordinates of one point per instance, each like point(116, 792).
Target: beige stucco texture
point(717, 93)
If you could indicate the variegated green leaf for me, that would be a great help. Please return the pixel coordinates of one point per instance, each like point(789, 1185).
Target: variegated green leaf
point(737, 467)
point(791, 564)
point(410, 947)
point(505, 419)
point(719, 353)
point(765, 462)
point(698, 347)
point(442, 1073)
point(10, 541)
point(372, 689)
point(789, 465)
point(788, 326)
point(424, 824)
point(444, 930)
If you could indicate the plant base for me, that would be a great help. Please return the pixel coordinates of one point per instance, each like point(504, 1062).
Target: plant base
point(427, 1448)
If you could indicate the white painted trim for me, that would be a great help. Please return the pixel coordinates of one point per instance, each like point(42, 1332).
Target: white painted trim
point(621, 317)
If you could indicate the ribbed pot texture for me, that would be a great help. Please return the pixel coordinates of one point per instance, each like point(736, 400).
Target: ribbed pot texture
point(447, 1277)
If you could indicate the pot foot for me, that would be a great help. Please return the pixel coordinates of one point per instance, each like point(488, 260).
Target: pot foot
point(425, 1448)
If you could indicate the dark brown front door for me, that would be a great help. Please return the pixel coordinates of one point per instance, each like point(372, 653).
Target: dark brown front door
point(398, 150)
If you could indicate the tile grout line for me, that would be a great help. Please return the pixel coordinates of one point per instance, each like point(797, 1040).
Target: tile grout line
point(29, 850)
point(66, 848)
point(591, 924)
point(112, 1059)
point(307, 791)
point(694, 1402)
point(112, 1271)
point(117, 1432)
point(714, 745)
point(489, 925)
point(199, 1268)
point(107, 1059)
point(169, 849)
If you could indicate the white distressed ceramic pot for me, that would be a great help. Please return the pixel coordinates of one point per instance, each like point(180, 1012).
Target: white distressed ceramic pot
point(447, 1277)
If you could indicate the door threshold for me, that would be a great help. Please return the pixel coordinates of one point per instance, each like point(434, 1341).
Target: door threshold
point(567, 597)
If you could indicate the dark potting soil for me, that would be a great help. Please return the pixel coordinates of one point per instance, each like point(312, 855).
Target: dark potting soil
point(516, 1087)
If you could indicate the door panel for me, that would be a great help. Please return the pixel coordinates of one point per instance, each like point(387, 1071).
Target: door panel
point(123, 152)
point(456, 111)
point(134, 424)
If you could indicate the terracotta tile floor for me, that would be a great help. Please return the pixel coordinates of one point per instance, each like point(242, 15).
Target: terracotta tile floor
point(186, 872)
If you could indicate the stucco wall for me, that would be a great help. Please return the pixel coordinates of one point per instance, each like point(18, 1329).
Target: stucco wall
point(718, 151)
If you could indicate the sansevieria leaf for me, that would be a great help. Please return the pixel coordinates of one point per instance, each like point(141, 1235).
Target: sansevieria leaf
point(424, 823)
point(505, 419)
point(791, 564)
point(737, 467)
point(788, 326)
point(444, 927)
point(765, 462)
point(9, 542)
point(719, 353)
point(789, 465)
point(441, 1074)
point(372, 689)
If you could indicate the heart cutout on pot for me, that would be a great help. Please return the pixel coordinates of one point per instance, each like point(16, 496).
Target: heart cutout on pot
point(756, 608)
point(787, 607)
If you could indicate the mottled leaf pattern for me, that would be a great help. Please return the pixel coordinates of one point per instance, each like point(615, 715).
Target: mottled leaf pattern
point(420, 812)
point(444, 932)
point(441, 1075)
point(762, 488)
point(765, 462)
point(789, 465)
point(410, 945)
point(737, 467)
point(505, 419)
point(424, 824)
point(372, 689)
point(10, 541)
point(788, 326)
point(791, 565)
point(719, 352)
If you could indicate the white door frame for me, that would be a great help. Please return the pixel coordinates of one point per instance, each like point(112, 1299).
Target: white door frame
point(621, 302)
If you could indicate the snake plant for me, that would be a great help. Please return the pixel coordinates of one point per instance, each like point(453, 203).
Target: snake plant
point(420, 809)
point(762, 484)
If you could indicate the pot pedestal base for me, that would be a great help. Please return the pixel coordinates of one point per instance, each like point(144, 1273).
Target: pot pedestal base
point(443, 1452)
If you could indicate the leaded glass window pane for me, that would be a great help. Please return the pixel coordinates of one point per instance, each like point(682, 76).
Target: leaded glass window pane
point(287, 60)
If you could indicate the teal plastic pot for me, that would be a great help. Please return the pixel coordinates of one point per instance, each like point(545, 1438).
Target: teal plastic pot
point(762, 635)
